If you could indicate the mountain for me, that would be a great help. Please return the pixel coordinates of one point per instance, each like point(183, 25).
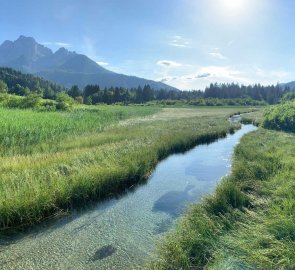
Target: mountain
point(65, 67)
point(290, 85)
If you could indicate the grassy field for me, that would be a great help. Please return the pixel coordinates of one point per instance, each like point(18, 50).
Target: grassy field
point(28, 131)
point(52, 160)
point(249, 222)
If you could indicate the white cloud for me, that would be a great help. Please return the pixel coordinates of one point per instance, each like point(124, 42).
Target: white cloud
point(217, 55)
point(59, 44)
point(221, 72)
point(101, 63)
point(168, 63)
point(200, 77)
point(180, 42)
point(63, 44)
point(167, 79)
point(204, 75)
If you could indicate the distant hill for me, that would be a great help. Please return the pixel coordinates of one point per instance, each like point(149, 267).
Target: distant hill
point(290, 85)
point(65, 67)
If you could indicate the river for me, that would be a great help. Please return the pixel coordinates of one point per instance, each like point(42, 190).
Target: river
point(121, 233)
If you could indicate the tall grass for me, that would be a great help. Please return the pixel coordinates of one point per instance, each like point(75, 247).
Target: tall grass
point(77, 163)
point(248, 223)
point(28, 131)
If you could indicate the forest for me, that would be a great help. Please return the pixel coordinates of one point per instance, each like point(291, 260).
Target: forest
point(19, 84)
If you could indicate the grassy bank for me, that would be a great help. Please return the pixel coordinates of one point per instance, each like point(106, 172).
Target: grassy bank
point(249, 222)
point(81, 161)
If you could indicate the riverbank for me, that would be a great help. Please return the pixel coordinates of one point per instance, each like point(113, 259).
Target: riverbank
point(91, 165)
point(249, 222)
point(120, 233)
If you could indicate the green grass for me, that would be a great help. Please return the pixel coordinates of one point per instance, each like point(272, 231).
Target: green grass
point(254, 118)
point(61, 159)
point(28, 131)
point(249, 222)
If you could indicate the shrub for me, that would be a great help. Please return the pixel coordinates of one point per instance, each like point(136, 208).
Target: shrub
point(280, 117)
point(30, 101)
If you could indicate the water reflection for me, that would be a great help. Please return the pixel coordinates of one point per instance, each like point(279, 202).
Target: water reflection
point(173, 202)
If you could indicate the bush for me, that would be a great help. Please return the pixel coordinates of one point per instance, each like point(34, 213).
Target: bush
point(47, 105)
point(13, 101)
point(30, 101)
point(64, 101)
point(280, 117)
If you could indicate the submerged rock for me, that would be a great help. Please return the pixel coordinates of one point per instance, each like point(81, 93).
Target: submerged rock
point(104, 252)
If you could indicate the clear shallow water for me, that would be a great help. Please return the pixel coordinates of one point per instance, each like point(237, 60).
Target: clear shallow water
point(121, 233)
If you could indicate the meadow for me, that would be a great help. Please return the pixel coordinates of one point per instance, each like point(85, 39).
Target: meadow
point(249, 222)
point(52, 161)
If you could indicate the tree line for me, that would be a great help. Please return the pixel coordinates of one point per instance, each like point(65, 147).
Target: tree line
point(93, 94)
point(270, 94)
point(15, 82)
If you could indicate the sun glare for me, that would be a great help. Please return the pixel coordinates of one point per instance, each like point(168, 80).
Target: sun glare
point(233, 5)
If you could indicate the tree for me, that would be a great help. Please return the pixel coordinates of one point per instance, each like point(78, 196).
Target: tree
point(75, 91)
point(147, 93)
point(3, 87)
point(49, 93)
point(89, 90)
point(18, 90)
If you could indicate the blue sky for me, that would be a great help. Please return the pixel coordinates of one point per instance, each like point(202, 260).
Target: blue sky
point(185, 43)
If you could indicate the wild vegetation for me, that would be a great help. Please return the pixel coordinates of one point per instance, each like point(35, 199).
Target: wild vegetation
point(249, 222)
point(52, 160)
point(281, 117)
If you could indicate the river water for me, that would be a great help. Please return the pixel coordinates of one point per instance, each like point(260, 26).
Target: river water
point(121, 233)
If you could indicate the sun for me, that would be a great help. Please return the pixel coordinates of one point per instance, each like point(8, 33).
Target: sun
point(233, 5)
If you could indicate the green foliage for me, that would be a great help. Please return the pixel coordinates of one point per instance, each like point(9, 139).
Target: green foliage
point(268, 94)
point(3, 87)
point(47, 105)
point(30, 101)
point(288, 95)
point(281, 117)
point(11, 101)
point(226, 102)
point(79, 99)
point(20, 83)
point(64, 101)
